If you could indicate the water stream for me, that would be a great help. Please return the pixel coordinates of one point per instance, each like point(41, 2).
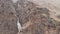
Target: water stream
point(18, 20)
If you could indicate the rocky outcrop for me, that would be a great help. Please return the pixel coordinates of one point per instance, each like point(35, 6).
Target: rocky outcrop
point(7, 18)
point(36, 19)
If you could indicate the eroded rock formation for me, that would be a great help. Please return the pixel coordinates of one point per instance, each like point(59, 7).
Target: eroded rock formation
point(38, 18)
point(35, 19)
point(7, 18)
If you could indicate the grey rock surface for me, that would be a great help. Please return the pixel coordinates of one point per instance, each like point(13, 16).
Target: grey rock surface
point(34, 19)
point(8, 19)
point(40, 18)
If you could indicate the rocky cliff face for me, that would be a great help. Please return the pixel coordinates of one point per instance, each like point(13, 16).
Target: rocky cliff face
point(7, 18)
point(38, 18)
point(34, 18)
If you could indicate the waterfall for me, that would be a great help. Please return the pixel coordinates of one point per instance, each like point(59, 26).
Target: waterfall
point(18, 25)
point(18, 21)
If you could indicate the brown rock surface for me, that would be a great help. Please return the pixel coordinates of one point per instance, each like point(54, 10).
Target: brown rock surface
point(36, 20)
point(7, 18)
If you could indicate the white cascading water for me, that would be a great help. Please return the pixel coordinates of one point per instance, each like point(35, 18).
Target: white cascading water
point(18, 23)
